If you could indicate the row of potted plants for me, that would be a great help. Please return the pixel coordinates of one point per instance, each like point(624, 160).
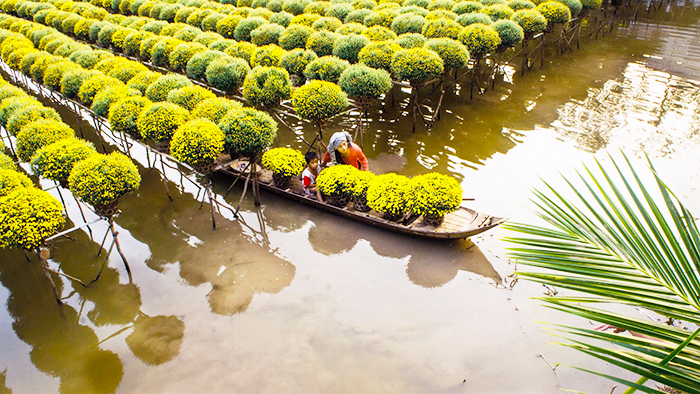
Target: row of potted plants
point(430, 195)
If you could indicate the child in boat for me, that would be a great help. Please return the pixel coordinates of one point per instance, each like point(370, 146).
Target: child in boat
point(308, 177)
point(341, 150)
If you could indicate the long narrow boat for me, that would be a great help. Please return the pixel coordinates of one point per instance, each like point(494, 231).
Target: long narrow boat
point(462, 223)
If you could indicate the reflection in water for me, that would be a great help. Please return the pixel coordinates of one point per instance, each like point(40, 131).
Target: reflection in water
point(648, 109)
point(60, 346)
point(3, 386)
point(156, 340)
point(235, 268)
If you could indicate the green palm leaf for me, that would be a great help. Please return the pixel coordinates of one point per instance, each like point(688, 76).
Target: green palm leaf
point(615, 241)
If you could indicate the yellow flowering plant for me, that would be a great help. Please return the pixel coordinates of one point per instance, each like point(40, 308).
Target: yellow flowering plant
point(198, 141)
point(160, 120)
point(416, 65)
point(9, 105)
point(531, 21)
point(319, 100)
point(90, 88)
point(247, 131)
point(284, 162)
point(337, 180)
point(189, 96)
point(25, 115)
point(6, 162)
point(480, 39)
point(214, 109)
point(554, 12)
point(326, 68)
point(434, 195)
point(143, 80)
point(267, 86)
point(27, 217)
point(227, 74)
point(388, 194)
point(124, 114)
point(361, 184)
point(38, 134)
point(55, 161)
point(108, 96)
point(267, 55)
point(362, 82)
point(158, 90)
point(101, 179)
point(11, 180)
point(183, 53)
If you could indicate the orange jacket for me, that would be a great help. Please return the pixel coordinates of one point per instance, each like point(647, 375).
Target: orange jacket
point(355, 157)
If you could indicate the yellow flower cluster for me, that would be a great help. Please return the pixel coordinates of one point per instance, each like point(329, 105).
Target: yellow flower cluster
point(198, 141)
point(183, 53)
point(267, 55)
point(434, 195)
point(55, 161)
point(378, 54)
point(158, 90)
point(54, 73)
point(379, 33)
point(214, 109)
point(143, 80)
point(92, 86)
point(337, 180)
point(387, 193)
point(480, 39)
point(248, 131)
point(101, 179)
point(160, 120)
point(531, 21)
point(362, 182)
point(319, 100)
point(6, 162)
point(25, 115)
point(284, 162)
point(416, 64)
point(27, 217)
point(38, 134)
point(11, 180)
point(555, 12)
point(124, 114)
point(189, 96)
point(326, 68)
point(436, 28)
point(267, 86)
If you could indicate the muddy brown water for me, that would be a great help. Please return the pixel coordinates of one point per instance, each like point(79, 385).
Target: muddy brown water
point(295, 300)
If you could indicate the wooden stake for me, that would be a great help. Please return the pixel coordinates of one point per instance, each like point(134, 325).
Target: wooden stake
point(45, 267)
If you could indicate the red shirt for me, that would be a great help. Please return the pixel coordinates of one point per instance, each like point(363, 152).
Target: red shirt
point(355, 157)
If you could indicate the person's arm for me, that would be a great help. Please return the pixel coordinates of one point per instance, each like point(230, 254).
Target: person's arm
point(326, 157)
point(360, 157)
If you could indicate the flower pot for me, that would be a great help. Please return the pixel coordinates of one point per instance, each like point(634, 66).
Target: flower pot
point(360, 204)
point(205, 168)
point(163, 146)
point(434, 220)
point(280, 181)
point(63, 182)
point(107, 210)
point(393, 216)
point(339, 200)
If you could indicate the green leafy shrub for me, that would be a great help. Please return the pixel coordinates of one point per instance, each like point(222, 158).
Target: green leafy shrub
point(247, 131)
point(89, 59)
point(326, 68)
point(227, 26)
point(266, 34)
point(378, 54)
point(189, 96)
point(104, 37)
point(8, 90)
point(282, 18)
point(575, 6)
point(416, 65)
point(28, 60)
point(295, 36)
point(453, 53)
point(25, 115)
point(327, 23)
point(127, 71)
point(352, 28)
point(168, 12)
point(366, 4)
point(124, 114)
point(472, 18)
point(531, 21)
point(196, 18)
point(441, 14)
point(110, 95)
point(591, 4)
point(347, 47)
point(437, 28)
point(227, 75)
point(362, 82)
point(158, 90)
point(183, 13)
point(214, 109)
point(146, 47)
point(245, 26)
point(339, 10)
point(337, 180)
point(321, 42)
point(108, 63)
point(14, 59)
point(304, 20)
point(510, 32)
point(197, 65)
point(408, 23)
point(267, 86)
point(379, 33)
point(498, 11)
point(295, 61)
point(317, 7)
point(6, 162)
point(38, 134)
point(319, 100)
point(73, 80)
point(221, 45)
point(243, 50)
point(442, 5)
point(480, 39)
point(55, 161)
point(410, 40)
point(284, 162)
point(197, 142)
point(295, 7)
point(268, 55)
point(357, 16)
point(160, 53)
point(381, 18)
point(119, 38)
point(93, 85)
point(11, 105)
point(388, 194)
point(160, 120)
point(153, 27)
point(517, 5)
point(187, 33)
point(183, 53)
point(11, 180)
point(143, 80)
point(275, 6)
point(27, 217)
point(413, 9)
point(101, 179)
point(555, 12)
point(434, 195)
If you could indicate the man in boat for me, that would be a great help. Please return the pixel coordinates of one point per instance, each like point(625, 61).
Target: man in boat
point(341, 150)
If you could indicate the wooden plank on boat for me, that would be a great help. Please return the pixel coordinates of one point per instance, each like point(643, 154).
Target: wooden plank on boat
point(462, 223)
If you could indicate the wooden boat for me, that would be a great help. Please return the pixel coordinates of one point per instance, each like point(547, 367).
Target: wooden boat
point(462, 223)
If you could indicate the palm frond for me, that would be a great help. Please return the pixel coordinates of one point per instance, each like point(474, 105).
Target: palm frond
point(615, 240)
